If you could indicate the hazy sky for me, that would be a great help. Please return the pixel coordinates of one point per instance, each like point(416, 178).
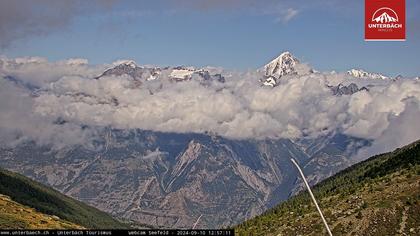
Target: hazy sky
point(328, 34)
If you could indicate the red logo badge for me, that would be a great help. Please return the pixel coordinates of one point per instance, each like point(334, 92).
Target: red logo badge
point(384, 20)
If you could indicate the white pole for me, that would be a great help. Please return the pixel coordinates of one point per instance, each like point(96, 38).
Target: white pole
point(196, 222)
point(312, 196)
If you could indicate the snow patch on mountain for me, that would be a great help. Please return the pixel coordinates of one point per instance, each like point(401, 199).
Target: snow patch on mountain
point(130, 63)
point(181, 73)
point(358, 73)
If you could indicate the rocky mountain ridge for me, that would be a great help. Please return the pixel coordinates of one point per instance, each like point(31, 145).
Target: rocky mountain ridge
point(169, 180)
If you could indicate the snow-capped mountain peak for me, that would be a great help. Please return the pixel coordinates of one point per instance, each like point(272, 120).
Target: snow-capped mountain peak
point(282, 65)
point(358, 73)
point(129, 63)
point(123, 67)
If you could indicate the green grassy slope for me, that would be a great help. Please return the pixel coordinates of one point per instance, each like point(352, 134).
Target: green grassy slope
point(380, 196)
point(48, 201)
point(17, 216)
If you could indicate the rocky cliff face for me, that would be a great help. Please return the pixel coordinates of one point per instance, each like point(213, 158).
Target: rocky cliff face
point(350, 89)
point(169, 180)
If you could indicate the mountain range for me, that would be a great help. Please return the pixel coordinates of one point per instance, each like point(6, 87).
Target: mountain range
point(286, 64)
point(168, 179)
point(177, 74)
point(359, 73)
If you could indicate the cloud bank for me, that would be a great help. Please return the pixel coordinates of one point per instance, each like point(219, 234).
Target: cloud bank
point(71, 107)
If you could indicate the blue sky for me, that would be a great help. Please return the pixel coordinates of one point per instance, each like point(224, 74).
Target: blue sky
point(327, 34)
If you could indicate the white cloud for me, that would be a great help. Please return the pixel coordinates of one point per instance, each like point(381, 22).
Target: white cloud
point(402, 129)
point(76, 61)
point(39, 71)
point(19, 122)
point(238, 109)
point(287, 15)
